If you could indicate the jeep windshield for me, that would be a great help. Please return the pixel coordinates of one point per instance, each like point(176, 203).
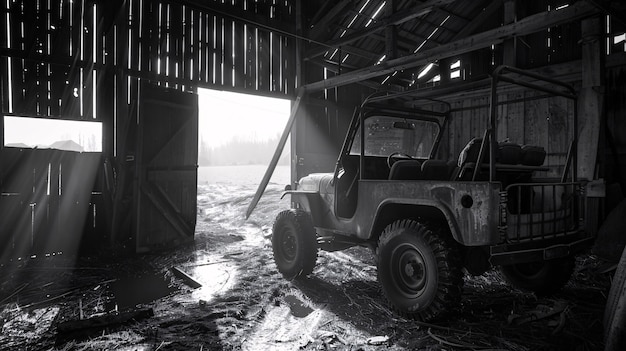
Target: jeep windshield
point(385, 135)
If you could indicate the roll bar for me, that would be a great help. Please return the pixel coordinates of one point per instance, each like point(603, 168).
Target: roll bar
point(566, 91)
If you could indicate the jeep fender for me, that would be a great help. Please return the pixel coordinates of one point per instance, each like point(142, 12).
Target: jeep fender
point(389, 208)
point(306, 200)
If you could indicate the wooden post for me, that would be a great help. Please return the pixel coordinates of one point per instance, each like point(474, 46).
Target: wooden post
point(444, 70)
point(279, 149)
point(301, 47)
point(591, 97)
point(509, 54)
point(391, 34)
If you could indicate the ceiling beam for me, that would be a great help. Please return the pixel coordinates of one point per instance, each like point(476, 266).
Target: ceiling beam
point(467, 30)
point(322, 25)
point(238, 14)
point(485, 39)
point(398, 18)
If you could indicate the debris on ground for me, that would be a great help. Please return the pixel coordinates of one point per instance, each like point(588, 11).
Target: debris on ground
point(245, 304)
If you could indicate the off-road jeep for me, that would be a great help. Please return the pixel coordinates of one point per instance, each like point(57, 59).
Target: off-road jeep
point(428, 219)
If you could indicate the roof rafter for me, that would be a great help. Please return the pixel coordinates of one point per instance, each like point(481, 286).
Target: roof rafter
point(469, 29)
point(322, 24)
point(397, 18)
point(485, 39)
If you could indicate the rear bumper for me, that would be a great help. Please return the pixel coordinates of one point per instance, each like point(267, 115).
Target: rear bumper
point(524, 253)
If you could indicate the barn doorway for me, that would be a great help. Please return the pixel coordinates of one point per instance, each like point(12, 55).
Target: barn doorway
point(238, 134)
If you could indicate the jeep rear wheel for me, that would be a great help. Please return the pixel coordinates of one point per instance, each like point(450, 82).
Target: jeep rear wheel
point(542, 278)
point(294, 243)
point(419, 271)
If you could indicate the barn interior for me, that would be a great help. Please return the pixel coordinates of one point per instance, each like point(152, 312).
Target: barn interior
point(80, 226)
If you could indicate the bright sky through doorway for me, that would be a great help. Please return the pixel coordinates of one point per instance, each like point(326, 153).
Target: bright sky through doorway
point(226, 116)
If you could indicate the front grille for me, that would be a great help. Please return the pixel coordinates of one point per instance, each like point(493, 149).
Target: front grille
point(540, 211)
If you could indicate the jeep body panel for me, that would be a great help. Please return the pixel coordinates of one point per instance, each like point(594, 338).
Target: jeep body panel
point(471, 209)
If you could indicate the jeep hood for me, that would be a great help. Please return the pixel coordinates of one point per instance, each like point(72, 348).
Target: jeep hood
point(316, 182)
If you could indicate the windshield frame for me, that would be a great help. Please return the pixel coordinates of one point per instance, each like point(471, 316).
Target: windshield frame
point(428, 154)
point(369, 108)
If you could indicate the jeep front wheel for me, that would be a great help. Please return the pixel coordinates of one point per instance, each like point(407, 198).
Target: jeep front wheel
point(542, 278)
point(294, 243)
point(419, 271)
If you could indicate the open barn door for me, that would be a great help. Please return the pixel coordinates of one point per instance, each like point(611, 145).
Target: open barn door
point(166, 161)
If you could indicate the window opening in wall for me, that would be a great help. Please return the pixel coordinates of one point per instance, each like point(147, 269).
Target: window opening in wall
point(46, 133)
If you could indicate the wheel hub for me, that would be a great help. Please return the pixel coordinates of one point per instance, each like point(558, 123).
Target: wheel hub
point(412, 272)
point(289, 246)
point(414, 269)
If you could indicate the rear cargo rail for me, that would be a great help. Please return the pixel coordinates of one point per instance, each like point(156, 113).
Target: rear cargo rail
point(541, 211)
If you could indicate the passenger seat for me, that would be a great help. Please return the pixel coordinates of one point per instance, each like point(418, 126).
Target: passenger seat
point(406, 170)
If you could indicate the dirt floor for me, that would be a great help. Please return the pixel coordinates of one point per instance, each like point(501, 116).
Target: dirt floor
point(139, 303)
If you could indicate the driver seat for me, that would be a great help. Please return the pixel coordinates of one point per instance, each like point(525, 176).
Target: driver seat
point(405, 170)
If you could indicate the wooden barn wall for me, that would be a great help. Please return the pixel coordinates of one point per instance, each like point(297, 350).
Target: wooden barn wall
point(524, 118)
point(85, 60)
point(49, 203)
point(79, 58)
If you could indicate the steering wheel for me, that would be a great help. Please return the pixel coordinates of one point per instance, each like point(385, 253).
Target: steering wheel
point(395, 156)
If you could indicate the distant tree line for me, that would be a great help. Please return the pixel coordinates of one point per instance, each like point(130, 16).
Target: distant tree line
point(240, 151)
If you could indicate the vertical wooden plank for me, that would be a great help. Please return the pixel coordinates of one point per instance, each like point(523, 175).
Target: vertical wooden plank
point(503, 120)
point(145, 36)
point(121, 86)
point(4, 84)
point(39, 202)
point(44, 49)
point(536, 114)
point(4, 10)
point(203, 46)
point(164, 39)
point(5, 93)
point(251, 56)
point(217, 51)
point(208, 25)
point(467, 133)
point(263, 63)
point(68, 41)
point(239, 61)
point(461, 119)
point(135, 31)
point(275, 62)
point(186, 64)
point(451, 136)
point(228, 52)
point(175, 47)
point(154, 23)
point(58, 34)
point(30, 69)
point(196, 46)
point(558, 131)
point(88, 74)
point(515, 119)
point(482, 116)
point(17, 65)
point(291, 63)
